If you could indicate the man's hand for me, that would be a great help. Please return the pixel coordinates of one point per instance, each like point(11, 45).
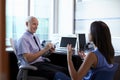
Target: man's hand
point(50, 47)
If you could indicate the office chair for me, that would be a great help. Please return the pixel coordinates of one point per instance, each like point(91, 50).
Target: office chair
point(105, 73)
point(24, 67)
point(117, 74)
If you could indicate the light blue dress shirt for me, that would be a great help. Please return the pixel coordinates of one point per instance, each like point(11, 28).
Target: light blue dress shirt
point(26, 44)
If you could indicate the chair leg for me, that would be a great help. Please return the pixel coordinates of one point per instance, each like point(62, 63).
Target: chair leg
point(19, 75)
point(22, 74)
point(25, 75)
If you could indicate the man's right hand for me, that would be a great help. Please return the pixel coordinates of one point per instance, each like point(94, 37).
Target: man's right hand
point(49, 46)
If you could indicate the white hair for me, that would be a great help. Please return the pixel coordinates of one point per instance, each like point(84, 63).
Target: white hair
point(30, 18)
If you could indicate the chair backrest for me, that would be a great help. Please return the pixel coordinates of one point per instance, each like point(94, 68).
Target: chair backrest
point(22, 60)
point(105, 73)
point(23, 65)
point(13, 43)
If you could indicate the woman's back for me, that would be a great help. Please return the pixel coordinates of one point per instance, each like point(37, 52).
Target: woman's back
point(101, 61)
point(101, 64)
point(103, 70)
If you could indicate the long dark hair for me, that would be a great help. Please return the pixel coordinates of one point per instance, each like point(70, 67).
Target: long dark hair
point(101, 37)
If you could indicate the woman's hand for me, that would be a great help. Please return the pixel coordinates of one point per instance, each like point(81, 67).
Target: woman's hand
point(82, 54)
point(69, 51)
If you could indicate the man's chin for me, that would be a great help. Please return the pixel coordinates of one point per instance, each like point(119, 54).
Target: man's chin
point(34, 31)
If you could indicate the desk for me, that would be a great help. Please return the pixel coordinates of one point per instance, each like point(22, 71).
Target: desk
point(56, 58)
point(61, 59)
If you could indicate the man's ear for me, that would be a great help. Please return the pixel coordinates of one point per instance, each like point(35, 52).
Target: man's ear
point(26, 23)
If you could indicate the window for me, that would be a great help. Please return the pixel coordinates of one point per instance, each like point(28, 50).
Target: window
point(17, 14)
point(15, 18)
point(66, 17)
point(42, 9)
point(88, 11)
point(108, 11)
point(55, 17)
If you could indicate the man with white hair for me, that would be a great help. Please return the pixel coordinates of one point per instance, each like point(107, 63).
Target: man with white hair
point(29, 47)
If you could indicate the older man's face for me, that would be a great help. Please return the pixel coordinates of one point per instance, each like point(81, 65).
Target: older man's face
point(32, 25)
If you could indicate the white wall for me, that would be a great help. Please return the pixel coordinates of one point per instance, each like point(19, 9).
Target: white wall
point(66, 16)
point(88, 11)
point(108, 11)
point(63, 19)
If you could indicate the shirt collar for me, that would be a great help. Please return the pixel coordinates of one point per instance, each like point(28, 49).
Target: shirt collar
point(29, 33)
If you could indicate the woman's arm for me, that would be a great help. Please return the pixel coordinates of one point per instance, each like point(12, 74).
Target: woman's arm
point(89, 60)
point(71, 68)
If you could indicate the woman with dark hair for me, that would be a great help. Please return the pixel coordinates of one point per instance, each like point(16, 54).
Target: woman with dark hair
point(101, 56)
point(101, 37)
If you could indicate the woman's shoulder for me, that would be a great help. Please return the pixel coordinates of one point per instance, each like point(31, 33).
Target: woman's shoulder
point(96, 52)
point(92, 57)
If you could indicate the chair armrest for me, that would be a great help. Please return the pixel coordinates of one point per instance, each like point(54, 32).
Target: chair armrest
point(27, 67)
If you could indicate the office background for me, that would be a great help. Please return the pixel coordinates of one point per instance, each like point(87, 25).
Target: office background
point(56, 17)
point(62, 17)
